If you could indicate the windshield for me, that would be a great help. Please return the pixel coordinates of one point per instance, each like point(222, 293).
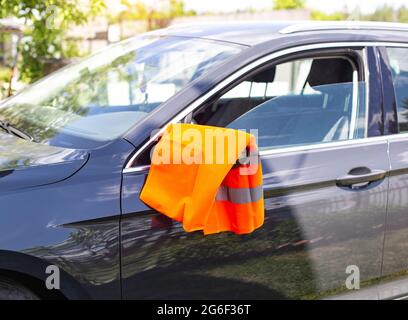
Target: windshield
point(98, 99)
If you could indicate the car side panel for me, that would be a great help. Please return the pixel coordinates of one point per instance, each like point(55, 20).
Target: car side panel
point(395, 265)
point(73, 224)
point(313, 230)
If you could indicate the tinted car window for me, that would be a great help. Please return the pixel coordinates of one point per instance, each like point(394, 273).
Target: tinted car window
point(399, 65)
point(300, 102)
point(95, 101)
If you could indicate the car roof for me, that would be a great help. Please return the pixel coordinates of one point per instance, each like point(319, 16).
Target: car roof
point(251, 33)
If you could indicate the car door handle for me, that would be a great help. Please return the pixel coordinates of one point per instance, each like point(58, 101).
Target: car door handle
point(360, 175)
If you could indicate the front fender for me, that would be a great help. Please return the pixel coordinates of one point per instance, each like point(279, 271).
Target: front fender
point(35, 267)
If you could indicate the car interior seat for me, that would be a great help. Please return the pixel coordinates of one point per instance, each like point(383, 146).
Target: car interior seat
point(291, 119)
point(225, 111)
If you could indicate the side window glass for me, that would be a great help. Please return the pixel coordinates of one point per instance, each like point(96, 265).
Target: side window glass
point(300, 102)
point(399, 65)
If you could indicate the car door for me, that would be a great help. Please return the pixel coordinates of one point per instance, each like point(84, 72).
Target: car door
point(325, 189)
point(395, 266)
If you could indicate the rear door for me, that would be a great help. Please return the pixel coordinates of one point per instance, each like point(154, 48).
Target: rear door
point(395, 79)
point(325, 189)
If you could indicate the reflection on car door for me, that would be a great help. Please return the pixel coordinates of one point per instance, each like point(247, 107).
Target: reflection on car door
point(325, 194)
point(395, 268)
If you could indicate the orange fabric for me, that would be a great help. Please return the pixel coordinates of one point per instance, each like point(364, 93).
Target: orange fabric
point(235, 180)
point(187, 192)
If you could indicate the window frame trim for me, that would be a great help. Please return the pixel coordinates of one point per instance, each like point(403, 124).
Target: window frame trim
point(328, 53)
point(129, 168)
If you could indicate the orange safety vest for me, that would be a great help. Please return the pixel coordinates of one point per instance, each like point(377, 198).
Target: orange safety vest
point(206, 193)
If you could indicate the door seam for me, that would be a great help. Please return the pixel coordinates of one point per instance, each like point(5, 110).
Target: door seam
point(386, 210)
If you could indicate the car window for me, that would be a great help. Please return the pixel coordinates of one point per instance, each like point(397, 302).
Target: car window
point(399, 65)
point(96, 100)
point(299, 102)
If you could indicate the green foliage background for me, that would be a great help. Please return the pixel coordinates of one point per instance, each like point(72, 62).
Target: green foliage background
point(289, 4)
point(46, 24)
point(383, 13)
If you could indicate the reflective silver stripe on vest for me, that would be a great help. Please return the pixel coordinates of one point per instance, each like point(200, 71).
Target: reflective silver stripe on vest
point(239, 195)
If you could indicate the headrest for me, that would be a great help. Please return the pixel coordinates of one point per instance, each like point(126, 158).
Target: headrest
point(267, 76)
point(330, 71)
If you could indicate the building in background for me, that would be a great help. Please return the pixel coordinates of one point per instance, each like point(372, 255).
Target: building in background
point(275, 15)
point(99, 32)
point(10, 36)
point(44, 50)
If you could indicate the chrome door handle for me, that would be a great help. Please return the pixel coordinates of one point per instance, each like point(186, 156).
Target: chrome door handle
point(360, 175)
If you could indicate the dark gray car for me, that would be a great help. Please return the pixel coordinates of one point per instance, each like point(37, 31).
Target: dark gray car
point(330, 103)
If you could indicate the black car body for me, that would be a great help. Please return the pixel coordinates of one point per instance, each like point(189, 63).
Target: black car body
point(331, 201)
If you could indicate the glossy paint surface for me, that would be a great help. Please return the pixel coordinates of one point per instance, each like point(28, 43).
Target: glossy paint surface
point(395, 263)
point(75, 209)
point(313, 230)
point(73, 224)
point(26, 164)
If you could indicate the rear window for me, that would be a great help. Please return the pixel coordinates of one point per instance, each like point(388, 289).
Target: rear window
point(399, 65)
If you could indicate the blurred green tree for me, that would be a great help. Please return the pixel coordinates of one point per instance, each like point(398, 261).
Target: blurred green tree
point(289, 4)
point(402, 14)
point(320, 15)
point(156, 16)
point(47, 22)
point(382, 13)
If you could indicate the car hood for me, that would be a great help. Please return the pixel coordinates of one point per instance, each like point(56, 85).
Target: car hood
point(26, 164)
